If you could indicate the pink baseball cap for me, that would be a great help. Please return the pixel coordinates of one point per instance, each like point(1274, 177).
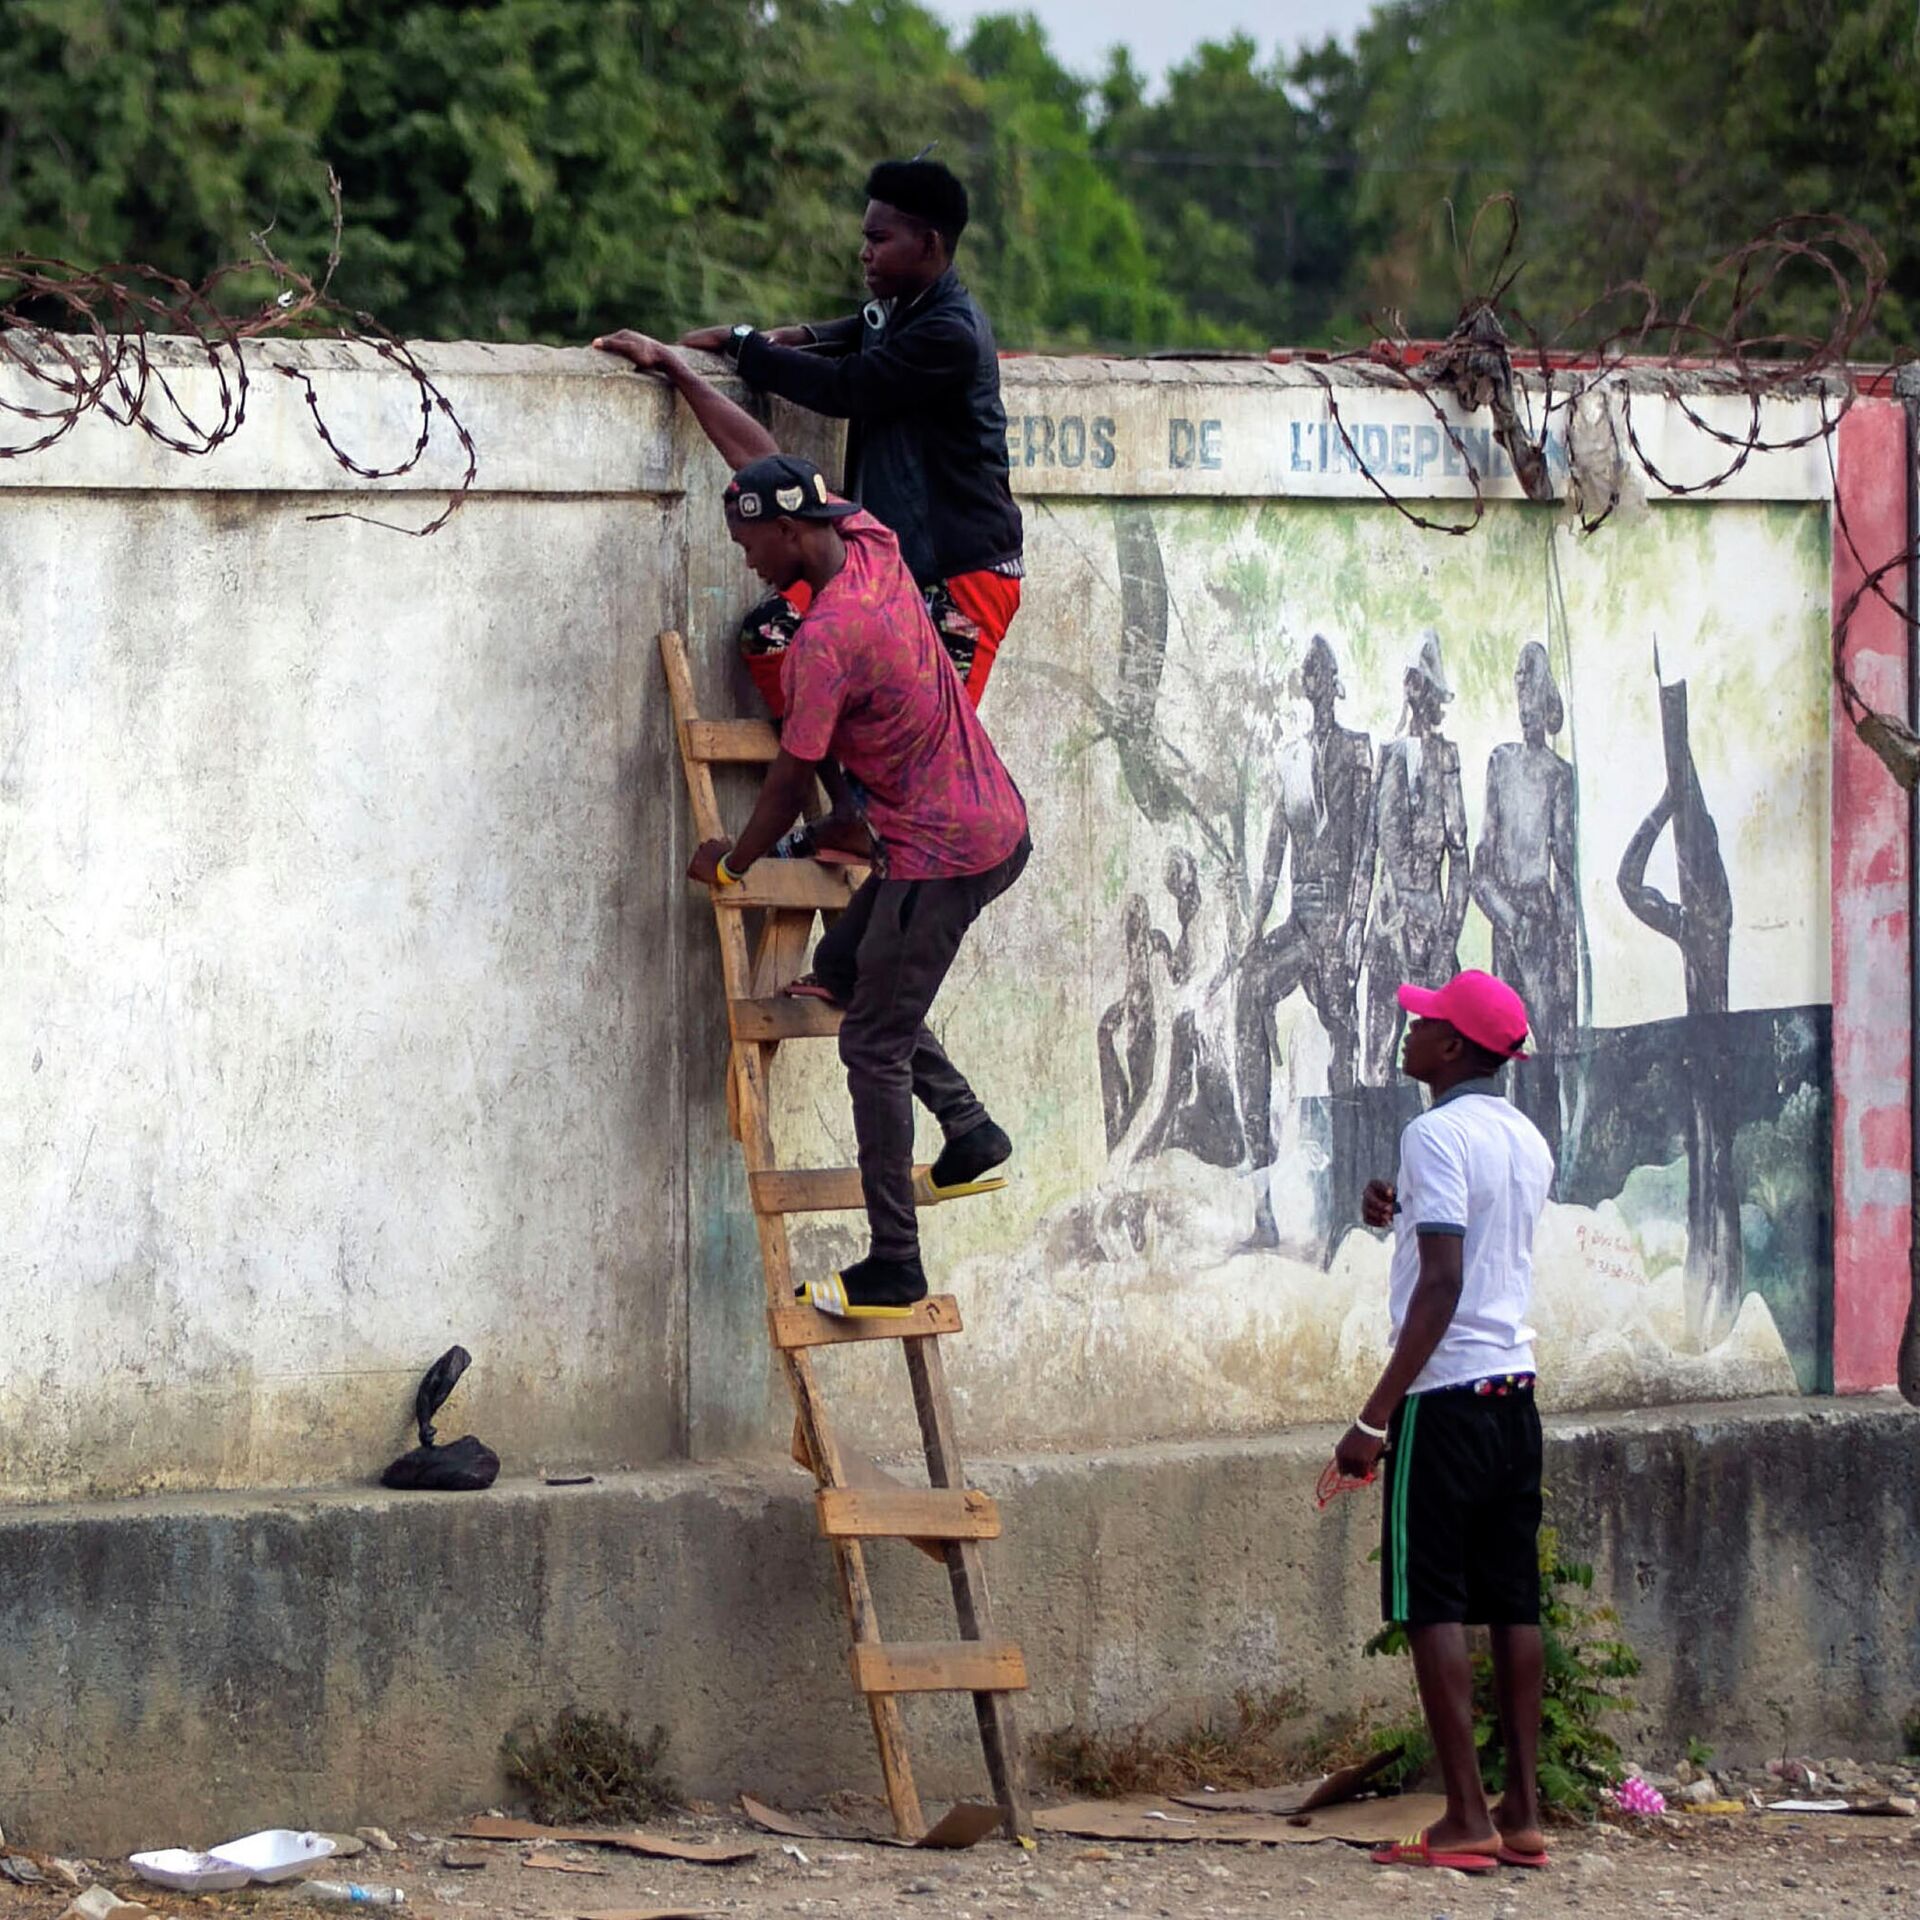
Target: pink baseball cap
point(1477, 1005)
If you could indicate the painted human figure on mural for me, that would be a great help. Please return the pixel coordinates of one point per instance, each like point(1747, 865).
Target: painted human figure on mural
point(1417, 836)
point(1320, 818)
point(1193, 1074)
point(1699, 923)
point(1128, 1036)
point(1523, 881)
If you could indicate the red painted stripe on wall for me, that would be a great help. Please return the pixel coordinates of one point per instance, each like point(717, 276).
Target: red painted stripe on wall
point(1872, 937)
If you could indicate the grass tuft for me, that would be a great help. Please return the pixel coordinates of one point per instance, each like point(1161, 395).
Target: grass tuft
point(588, 1770)
point(1258, 1743)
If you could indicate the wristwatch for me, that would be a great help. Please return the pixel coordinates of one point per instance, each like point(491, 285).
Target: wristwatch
point(736, 339)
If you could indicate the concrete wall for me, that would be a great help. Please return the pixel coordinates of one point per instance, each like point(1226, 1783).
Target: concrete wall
point(355, 1006)
point(1191, 531)
point(333, 866)
point(177, 1670)
point(1872, 921)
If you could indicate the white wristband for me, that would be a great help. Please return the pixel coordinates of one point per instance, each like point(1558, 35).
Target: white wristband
point(1372, 1433)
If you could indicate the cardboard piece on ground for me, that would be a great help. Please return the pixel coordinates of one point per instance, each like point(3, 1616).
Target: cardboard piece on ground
point(964, 1824)
point(1887, 1806)
point(647, 1913)
point(708, 1853)
point(1344, 1783)
point(789, 1825)
point(559, 1863)
point(1360, 1823)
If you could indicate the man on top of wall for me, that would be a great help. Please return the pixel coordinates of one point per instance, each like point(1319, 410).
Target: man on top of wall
point(1453, 1412)
point(865, 682)
point(917, 376)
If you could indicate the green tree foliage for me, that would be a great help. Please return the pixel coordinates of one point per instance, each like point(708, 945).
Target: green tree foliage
point(162, 131)
point(1644, 138)
point(1059, 244)
point(534, 169)
point(537, 168)
point(1245, 191)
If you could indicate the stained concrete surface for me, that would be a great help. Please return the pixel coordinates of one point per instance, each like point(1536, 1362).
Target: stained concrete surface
point(182, 1666)
point(356, 1004)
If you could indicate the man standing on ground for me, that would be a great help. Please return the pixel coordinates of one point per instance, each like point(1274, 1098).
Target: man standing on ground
point(865, 682)
point(916, 373)
point(1454, 1415)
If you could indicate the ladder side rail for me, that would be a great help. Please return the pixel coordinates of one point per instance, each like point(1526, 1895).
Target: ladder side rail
point(966, 1574)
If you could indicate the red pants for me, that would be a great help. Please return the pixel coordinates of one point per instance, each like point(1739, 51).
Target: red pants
point(971, 613)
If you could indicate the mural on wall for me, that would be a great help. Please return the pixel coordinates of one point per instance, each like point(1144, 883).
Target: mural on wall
point(1365, 870)
point(1282, 756)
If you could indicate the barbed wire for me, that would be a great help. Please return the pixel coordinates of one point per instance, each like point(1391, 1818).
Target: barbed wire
point(1714, 346)
point(83, 340)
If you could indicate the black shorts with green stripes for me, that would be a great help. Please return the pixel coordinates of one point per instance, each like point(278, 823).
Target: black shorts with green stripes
point(1461, 1526)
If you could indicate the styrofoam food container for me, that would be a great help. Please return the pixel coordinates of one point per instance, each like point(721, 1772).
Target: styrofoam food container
point(276, 1853)
point(186, 1871)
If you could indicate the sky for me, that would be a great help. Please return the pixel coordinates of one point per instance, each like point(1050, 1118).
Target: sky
point(1160, 35)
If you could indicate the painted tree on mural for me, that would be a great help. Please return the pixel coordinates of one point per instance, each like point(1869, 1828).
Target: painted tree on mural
point(1699, 923)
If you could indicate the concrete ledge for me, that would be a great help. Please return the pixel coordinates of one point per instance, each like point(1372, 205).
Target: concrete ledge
point(182, 1668)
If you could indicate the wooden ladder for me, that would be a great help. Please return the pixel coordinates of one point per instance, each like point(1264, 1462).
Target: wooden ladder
point(857, 1500)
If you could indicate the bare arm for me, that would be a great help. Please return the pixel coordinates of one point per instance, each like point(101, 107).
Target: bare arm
point(1647, 903)
point(737, 436)
point(782, 795)
point(1436, 1297)
point(1487, 896)
point(1360, 895)
point(1270, 873)
point(1459, 865)
point(1562, 843)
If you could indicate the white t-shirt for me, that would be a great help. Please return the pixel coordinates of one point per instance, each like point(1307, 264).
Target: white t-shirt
point(1474, 1165)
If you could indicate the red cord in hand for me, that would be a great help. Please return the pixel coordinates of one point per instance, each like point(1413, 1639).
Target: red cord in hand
point(1333, 1481)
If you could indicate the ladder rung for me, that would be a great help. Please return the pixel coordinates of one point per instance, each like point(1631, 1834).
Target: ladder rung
point(734, 741)
point(817, 1190)
point(908, 1513)
point(783, 1016)
point(802, 1326)
point(859, 1472)
point(791, 883)
point(961, 1666)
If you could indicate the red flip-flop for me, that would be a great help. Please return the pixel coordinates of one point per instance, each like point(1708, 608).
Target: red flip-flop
point(1417, 1851)
point(1513, 1857)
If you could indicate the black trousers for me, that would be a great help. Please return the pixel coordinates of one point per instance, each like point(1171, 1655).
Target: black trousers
point(1460, 1526)
point(884, 960)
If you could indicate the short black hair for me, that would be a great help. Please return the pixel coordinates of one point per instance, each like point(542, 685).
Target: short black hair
point(923, 190)
point(1483, 1060)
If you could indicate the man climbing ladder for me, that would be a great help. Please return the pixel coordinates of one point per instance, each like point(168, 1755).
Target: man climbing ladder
point(866, 683)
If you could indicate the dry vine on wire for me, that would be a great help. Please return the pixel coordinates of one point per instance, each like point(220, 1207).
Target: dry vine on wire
point(1715, 346)
point(80, 341)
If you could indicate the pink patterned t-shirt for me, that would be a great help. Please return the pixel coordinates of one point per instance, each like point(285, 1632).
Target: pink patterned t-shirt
point(869, 684)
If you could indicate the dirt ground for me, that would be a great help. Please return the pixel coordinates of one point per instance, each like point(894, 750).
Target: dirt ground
point(1769, 1868)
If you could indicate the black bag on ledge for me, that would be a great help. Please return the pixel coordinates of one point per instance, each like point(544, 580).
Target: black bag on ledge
point(467, 1464)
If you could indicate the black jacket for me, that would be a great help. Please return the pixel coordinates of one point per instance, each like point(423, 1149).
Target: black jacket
point(927, 443)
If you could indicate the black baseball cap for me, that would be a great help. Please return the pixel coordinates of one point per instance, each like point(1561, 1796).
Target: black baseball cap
point(782, 486)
